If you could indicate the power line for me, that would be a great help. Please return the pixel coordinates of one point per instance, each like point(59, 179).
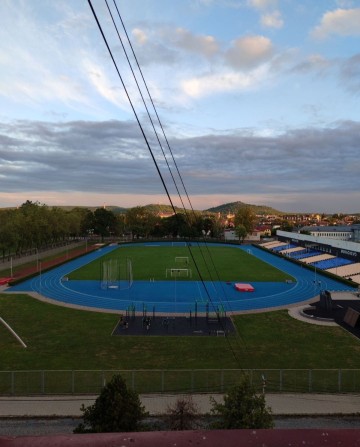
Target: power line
point(148, 144)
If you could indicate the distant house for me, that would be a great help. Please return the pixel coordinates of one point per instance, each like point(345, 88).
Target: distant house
point(230, 235)
point(264, 230)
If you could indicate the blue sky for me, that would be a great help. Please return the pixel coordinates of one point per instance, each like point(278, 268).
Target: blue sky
point(259, 100)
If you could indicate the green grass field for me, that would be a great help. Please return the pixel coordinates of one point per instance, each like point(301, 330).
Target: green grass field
point(60, 338)
point(214, 263)
point(64, 338)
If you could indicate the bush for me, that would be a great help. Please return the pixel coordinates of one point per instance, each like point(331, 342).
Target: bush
point(182, 415)
point(117, 409)
point(242, 408)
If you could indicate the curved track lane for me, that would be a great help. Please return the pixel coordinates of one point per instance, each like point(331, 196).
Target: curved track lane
point(180, 296)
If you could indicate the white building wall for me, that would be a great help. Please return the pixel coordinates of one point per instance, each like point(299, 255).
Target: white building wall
point(343, 245)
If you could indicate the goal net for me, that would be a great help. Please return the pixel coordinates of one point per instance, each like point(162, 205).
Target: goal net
point(110, 274)
point(178, 273)
point(116, 274)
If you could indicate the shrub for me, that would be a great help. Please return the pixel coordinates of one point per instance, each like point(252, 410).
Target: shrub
point(117, 409)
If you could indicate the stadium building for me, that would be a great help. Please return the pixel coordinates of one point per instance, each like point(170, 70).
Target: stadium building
point(331, 254)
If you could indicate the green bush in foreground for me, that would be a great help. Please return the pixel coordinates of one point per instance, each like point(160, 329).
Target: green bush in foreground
point(117, 409)
point(242, 408)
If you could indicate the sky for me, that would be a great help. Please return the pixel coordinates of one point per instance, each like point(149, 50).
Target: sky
point(257, 100)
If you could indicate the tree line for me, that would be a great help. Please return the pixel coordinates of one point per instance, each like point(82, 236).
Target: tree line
point(36, 226)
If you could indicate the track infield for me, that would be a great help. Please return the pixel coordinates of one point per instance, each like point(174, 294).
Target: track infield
point(148, 291)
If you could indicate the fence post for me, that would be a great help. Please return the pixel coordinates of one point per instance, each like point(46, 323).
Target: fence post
point(72, 382)
point(42, 382)
point(12, 382)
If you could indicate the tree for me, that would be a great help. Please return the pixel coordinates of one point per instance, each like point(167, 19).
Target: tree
point(140, 221)
point(245, 216)
point(182, 415)
point(242, 408)
point(117, 409)
point(104, 222)
point(241, 232)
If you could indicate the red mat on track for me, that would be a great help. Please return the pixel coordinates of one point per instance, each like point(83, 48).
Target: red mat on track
point(244, 287)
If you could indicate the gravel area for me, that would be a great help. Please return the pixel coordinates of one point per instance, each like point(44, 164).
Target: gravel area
point(50, 426)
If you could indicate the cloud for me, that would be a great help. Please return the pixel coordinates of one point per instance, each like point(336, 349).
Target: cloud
point(140, 36)
point(271, 16)
point(272, 20)
point(262, 4)
point(223, 82)
point(350, 73)
point(110, 157)
point(313, 63)
point(248, 52)
point(204, 45)
point(345, 70)
point(342, 22)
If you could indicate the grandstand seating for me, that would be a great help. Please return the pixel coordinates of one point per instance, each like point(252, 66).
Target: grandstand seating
point(314, 259)
point(292, 249)
point(333, 262)
point(280, 248)
point(306, 254)
point(346, 270)
point(276, 244)
point(356, 278)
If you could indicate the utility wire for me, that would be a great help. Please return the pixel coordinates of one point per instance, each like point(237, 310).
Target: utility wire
point(173, 159)
point(144, 135)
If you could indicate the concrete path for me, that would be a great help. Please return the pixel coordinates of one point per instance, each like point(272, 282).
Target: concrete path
point(280, 404)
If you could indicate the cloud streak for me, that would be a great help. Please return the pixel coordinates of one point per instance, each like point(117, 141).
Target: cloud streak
point(342, 22)
point(110, 157)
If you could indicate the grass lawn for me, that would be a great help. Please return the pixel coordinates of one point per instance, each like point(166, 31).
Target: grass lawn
point(214, 263)
point(63, 338)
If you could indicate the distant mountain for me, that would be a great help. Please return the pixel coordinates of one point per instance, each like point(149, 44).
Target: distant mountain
point(226, 208)
point(232, 207)
point(114, 209)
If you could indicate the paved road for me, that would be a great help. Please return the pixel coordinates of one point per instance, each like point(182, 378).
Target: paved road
point(281, 404)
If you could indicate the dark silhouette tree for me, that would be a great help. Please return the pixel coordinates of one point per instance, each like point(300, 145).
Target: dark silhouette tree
point(117, 409)
point(242, 408)
point(183, 415)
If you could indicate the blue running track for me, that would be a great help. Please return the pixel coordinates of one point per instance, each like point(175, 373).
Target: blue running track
point(179, 296)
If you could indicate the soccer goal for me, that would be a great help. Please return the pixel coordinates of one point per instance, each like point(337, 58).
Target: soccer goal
point(182, 260)
point(178, 273)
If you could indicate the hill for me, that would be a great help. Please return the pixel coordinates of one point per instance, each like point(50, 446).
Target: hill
point(232, 207)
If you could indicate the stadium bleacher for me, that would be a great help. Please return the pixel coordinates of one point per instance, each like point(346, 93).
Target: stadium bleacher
point(331, 263)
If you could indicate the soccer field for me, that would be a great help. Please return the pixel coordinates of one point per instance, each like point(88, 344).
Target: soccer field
point(196, 262)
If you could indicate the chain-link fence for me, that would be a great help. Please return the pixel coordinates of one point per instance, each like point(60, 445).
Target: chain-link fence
point(181, 381)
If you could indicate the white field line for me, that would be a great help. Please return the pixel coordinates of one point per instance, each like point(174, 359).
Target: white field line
point(13, 332)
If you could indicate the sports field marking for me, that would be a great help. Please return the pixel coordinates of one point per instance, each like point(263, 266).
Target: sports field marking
point(12, 332)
